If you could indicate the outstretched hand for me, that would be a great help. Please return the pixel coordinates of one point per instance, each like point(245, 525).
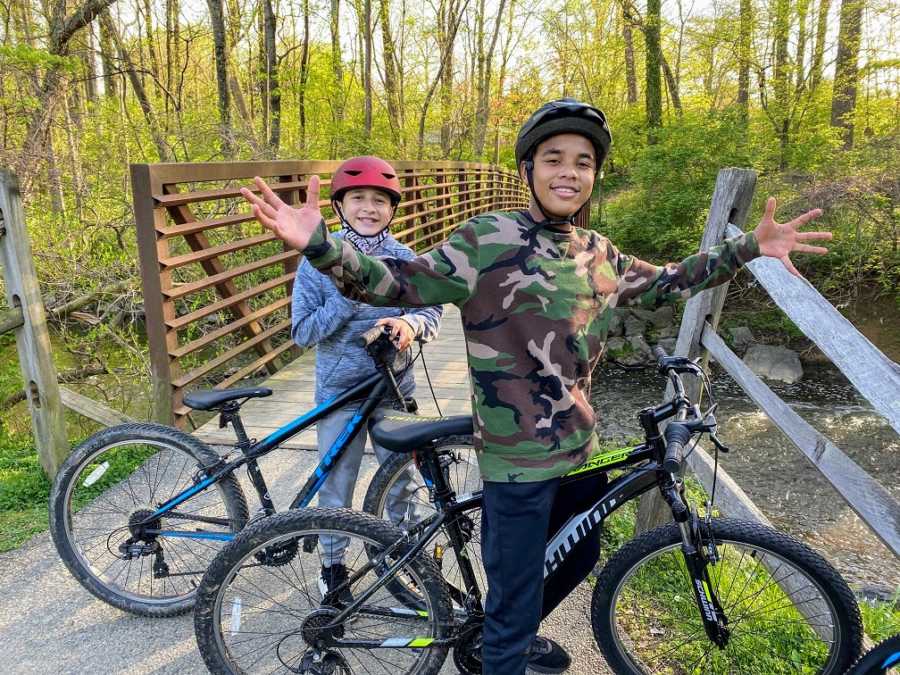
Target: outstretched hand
point(294, 226)
point(779, 240)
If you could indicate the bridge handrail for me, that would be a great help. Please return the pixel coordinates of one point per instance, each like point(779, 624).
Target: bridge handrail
point(204, 259)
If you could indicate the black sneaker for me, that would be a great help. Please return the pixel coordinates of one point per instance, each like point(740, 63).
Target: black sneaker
point(331, 579)
point(547, 656)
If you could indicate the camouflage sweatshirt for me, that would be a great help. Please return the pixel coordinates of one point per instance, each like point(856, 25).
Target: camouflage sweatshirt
point(536, 305)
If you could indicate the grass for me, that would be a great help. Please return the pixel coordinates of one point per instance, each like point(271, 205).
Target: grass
point(661, 607)
point(24, 491)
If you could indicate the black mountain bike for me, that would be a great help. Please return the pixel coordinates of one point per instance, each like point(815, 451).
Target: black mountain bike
point(138, 511)
point(882, 659)
point(701, 594)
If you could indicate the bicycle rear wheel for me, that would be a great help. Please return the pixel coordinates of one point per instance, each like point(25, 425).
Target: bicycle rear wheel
point(461, 471)
point(254, 618)
point(788, 610)
point(117, 478)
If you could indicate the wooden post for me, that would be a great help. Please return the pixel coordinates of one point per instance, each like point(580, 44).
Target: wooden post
point(142, 191)
point(730, 204)
point(32, 337)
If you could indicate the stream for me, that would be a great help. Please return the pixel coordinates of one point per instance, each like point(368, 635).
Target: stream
point(773, 472)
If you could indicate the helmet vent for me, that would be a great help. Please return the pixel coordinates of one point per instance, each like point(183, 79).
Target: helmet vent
point(352, 172)
point(389, 175)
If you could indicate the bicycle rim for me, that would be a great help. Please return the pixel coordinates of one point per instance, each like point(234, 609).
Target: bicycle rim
point(464, 476)
point(263, 616)
point(122, 483)
point(657, 626)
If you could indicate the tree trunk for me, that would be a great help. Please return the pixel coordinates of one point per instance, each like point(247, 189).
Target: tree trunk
point(161, 148)
point(846, 74)
point(337, 76)
point(672, 85)
point(304, 74)
point(173, 48)
point(745, 46)
point(449, 38)
point(630, 73)
point(62, 29)
point(367, 69)
point(815, 75)
point(151, 43)
point(654, 87)
point(483, 82)
point(391, 71)
point(269, 20)
point(90, 65)
point(217, 19)
point(780, 114)
point(800, 58)
point(107, 61)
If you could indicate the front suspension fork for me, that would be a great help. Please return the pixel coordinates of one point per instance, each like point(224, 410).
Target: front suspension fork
point(697, 560)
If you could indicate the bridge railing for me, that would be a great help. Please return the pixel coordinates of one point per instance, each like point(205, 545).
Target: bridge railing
point(875, 376)
point(217, 286)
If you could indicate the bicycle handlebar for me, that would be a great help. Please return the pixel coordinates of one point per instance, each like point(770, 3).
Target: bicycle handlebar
point(660, 355)
point(677, 436)
point(369, 336)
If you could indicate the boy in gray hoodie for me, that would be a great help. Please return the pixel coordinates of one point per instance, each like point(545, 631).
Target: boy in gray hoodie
point(365, 192)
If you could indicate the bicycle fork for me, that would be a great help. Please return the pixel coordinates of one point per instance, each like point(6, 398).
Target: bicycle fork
point(698, 554)
point(698, 557)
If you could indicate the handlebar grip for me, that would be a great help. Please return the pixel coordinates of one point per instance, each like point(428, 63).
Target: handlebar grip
point(660, 355)
point(677, 436)
point(369, 336)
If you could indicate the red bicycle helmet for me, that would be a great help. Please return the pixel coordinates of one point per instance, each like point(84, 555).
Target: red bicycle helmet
point(365, 172)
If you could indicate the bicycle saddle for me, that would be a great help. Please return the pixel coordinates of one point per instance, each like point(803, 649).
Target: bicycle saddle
point(210, 399)
point(403, 432)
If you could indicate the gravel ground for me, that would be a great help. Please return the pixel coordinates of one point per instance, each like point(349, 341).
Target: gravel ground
point(49, 624)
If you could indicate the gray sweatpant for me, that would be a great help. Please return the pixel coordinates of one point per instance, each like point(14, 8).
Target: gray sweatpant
point(337, 491)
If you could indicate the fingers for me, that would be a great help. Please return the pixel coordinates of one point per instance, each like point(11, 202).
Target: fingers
point(259, 206)
point(806, 236)
point(802, 219)
point(790, 267)
point(270, 197)
point(267, 221)
point(805, 248)
point(770, 209)
point(312, 193)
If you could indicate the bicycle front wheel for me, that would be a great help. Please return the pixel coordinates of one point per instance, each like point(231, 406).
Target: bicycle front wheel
point(116, 479)
point(253, 617)
point(787, 609)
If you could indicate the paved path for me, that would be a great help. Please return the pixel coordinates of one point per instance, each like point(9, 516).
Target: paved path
point(49, 624)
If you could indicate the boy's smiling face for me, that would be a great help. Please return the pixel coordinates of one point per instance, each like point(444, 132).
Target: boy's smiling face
point(564, 169)
point(367, 210)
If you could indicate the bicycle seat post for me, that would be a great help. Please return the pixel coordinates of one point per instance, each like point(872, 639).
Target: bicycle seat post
point(230, 414)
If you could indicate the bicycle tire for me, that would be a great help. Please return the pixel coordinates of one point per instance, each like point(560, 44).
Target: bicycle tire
point(882, 658)
point(376, 504)
point(211, 597)
point(156, 440)
point(841, 603)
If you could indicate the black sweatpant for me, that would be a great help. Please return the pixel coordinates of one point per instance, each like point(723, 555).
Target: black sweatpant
point(517, 519)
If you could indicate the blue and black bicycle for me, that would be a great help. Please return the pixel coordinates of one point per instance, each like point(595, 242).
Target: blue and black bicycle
point(882, 659)
point(138, 511)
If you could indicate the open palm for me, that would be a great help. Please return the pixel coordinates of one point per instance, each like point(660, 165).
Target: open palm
point(294, 226)
point(779, 240)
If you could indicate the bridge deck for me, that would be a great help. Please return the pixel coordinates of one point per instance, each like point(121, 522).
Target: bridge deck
point(293, 387)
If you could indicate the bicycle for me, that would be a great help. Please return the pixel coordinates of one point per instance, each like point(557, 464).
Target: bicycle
point(699, 594)
point(882, 659)
point(144, 495)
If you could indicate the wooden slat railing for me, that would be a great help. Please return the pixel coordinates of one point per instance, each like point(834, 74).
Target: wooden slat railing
point(217, 287)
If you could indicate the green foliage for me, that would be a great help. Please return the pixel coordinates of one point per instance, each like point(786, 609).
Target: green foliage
point(881, 619)
point(661, 214)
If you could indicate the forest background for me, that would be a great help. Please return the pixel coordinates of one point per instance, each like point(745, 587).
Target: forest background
point(806, 92)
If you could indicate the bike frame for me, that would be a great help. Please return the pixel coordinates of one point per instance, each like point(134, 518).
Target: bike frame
point(646, 473)
point(372, 392)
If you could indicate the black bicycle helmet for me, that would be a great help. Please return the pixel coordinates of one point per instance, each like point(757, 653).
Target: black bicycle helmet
point(562, 116)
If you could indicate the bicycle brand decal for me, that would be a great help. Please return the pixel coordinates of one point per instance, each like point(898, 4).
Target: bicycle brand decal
point(602, 459)
point(572, 532)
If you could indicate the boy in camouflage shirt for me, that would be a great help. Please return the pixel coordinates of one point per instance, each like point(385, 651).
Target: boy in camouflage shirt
point(536, 296)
